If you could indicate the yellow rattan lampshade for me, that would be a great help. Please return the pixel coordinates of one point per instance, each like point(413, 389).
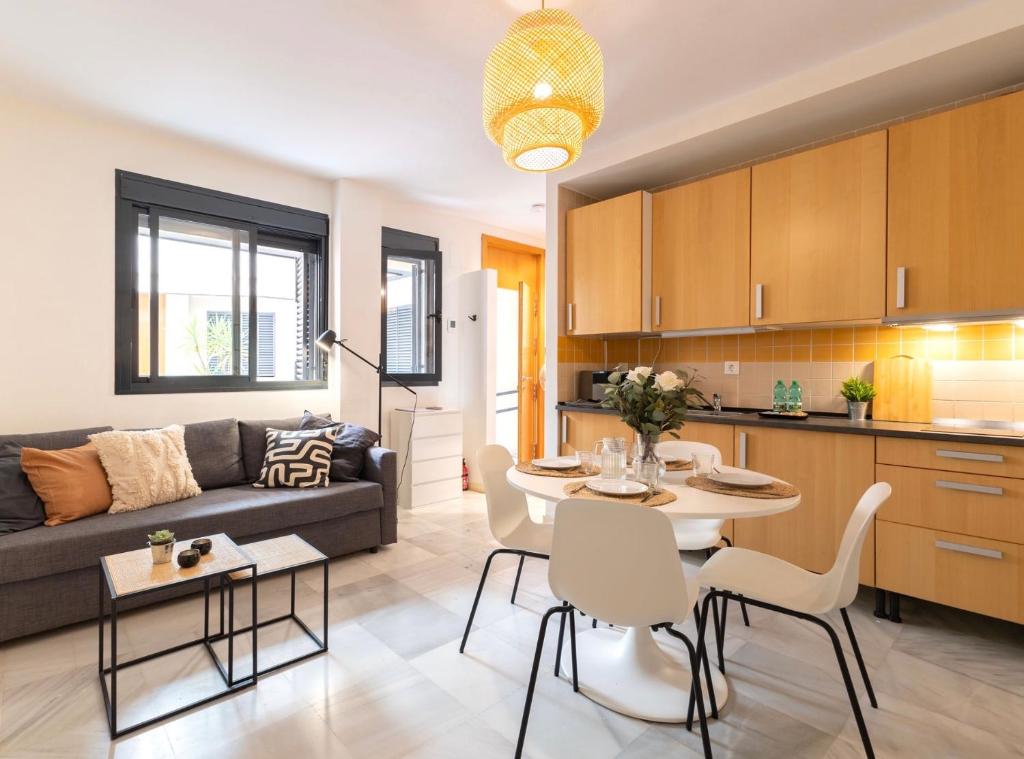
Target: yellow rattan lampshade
point(543, 91)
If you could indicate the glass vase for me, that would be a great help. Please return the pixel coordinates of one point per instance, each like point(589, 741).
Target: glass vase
point(646, 464)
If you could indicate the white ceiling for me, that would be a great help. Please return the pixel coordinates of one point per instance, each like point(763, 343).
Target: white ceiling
point(389, 90)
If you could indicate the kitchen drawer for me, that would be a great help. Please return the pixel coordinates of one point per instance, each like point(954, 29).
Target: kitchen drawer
point(984, 576)
point(434, 425)
point(436, 469)
point(432, 492)
point(970, 504)
point(973, 458)
point(437, 448)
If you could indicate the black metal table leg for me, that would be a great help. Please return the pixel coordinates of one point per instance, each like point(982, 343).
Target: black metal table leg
point(880, 611)
point(894, 608)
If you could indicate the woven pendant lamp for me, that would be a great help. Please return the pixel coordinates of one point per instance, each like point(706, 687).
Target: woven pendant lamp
point(543, 91)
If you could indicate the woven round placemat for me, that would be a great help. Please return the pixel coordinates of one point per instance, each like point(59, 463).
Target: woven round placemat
point(660, 498)
point(529, 468)
point(678, 466)
point(775, 490)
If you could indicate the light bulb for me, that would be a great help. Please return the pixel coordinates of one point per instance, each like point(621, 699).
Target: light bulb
point(542, 90)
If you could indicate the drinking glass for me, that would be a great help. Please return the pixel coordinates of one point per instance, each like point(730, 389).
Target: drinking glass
point(703, 464)
point(586, 461)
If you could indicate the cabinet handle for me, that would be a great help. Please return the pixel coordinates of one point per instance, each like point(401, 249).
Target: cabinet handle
point(901, 287)
point(565, 430)
point(759, 301)
point(657, 310)
point(988, 553)
point(968, 487)
point(995, 458)
point(743, 450)
point(569, 317)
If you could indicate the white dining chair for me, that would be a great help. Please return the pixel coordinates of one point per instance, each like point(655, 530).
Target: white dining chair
point(698, 534)
point(771, 583)
point(508, 517)
point(617, 562)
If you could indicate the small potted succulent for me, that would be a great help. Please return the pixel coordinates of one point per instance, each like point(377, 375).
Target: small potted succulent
point(161, 543)
point(858, 394)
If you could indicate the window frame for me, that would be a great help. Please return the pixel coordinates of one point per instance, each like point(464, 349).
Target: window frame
point(411, 245)
point(309, 230)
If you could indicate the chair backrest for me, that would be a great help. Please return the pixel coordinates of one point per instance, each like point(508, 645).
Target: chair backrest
point(617, 562)
point(506, 506)
point(684, 449)
point(842, 579)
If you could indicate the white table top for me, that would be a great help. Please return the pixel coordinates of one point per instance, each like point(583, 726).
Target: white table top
point(690, 503)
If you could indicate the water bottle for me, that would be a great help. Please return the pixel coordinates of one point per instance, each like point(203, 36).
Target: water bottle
point(796, 397)
point(779, 397)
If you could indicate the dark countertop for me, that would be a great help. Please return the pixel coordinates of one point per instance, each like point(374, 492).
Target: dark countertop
point(824, 423)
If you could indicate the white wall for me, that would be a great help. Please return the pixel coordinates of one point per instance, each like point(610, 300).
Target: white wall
point(57, 265)
point(360, 210)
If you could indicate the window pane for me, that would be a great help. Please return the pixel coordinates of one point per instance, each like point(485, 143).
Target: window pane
point(142, 288)
point(280, 303)
point(410, 301)
point(195, 271)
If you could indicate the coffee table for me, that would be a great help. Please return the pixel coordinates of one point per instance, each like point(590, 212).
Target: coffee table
point(133, 574)
point(288, 553)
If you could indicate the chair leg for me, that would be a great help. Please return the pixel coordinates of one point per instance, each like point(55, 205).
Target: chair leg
point(860, 659)
point(561, 637)
point(696, 692)
point(572, 649)
point(519, 572)
point(702, 655)
point(850, 690)
point(743, 610)
point(721, 636)
point(476, 600)
point(533, 675)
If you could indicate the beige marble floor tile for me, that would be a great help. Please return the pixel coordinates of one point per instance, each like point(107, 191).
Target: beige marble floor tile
point(471, 739)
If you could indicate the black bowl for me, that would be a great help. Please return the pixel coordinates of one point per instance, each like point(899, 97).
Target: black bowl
point(188, 558)
point(203, 545)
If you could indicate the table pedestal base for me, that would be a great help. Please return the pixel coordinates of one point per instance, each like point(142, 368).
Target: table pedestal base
point(631, 674)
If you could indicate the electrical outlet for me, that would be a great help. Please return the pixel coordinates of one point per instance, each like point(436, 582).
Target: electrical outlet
point(732, 367)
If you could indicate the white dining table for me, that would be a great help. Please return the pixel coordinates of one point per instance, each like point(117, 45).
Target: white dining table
point(628, 671)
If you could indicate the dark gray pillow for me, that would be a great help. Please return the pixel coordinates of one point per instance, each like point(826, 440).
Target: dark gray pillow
point(215, 452)
point(350, 446)
point(20, 507)
point(253, 434)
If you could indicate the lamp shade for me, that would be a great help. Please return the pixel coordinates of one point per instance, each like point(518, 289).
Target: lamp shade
point(327, 340)
point(543, 91)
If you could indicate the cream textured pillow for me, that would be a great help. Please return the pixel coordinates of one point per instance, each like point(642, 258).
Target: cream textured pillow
point(146, 468)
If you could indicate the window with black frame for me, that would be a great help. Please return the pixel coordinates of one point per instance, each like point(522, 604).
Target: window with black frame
point(411, 307)
point(216, 291)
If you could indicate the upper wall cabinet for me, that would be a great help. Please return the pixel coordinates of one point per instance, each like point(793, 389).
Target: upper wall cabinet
point(956, 211)
point(700, 263)
point(817, 250)
point(607, 264)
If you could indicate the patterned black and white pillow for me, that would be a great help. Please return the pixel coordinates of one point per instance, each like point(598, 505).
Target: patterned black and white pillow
point(297, 458)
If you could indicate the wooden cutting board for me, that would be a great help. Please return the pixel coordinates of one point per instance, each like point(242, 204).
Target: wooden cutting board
point(904, 386)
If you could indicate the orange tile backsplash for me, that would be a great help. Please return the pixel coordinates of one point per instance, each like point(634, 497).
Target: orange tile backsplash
point(978, 369)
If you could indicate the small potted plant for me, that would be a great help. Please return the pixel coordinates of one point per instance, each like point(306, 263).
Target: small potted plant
point(161, 543)
point(858, 394)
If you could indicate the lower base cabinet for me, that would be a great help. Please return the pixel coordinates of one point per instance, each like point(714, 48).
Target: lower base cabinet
point(976, 574)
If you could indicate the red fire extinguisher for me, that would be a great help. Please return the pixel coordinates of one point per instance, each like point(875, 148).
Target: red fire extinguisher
point(465, 475)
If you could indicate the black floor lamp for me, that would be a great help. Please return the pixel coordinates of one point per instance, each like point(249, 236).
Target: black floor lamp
point(329, 339)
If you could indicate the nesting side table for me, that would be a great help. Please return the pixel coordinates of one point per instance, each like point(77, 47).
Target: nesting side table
point(133, 573)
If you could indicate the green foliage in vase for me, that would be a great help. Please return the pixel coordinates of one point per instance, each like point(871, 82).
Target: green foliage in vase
point(652, 403)
point(160, 537)
point(857, 390)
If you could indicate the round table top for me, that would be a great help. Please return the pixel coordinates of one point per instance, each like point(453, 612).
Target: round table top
point(690, 503)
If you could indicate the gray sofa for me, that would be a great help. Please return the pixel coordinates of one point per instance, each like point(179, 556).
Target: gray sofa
point(49, 575)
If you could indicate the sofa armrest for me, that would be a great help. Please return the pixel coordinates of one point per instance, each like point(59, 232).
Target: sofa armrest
point(381, 466)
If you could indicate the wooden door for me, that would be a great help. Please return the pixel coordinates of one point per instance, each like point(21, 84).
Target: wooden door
point(832, 471)
point(603, 267)
point(528, 379)
point(956, 224)
point(700, 258)
point(817, 234)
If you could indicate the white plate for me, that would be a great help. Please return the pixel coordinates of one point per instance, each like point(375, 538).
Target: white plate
point(559, 462)
point(617, 487)
point(742, 479)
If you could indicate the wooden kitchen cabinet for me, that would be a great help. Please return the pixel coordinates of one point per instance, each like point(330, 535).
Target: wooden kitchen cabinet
point(956, 229)
point(832, 471)
point(582, 429)
point(607, 250)
point(700, 255)
point(817, 234)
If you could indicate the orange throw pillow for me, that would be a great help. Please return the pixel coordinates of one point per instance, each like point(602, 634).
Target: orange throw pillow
point(71, 483)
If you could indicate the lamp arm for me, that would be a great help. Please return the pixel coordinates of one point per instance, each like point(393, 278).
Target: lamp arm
point(376, 367)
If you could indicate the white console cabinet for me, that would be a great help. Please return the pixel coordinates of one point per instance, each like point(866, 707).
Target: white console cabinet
point(432, 455)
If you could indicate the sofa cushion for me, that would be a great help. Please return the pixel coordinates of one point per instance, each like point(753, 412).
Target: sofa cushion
point(215, 452)
point(297, 459)
point(350, 446)
point(238, 511)
point(11, 445)
point(70, 482)
point(253, 433)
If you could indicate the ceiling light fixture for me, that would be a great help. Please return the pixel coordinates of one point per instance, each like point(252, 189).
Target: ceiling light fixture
point(543, 91)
